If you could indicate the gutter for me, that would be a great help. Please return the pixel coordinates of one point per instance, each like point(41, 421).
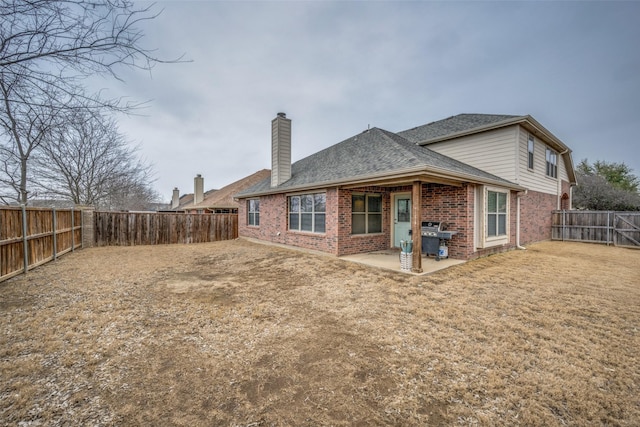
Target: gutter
point(403, 173)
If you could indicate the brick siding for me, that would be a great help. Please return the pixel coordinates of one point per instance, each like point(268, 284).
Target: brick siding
point(535, 214)
point(449, 204)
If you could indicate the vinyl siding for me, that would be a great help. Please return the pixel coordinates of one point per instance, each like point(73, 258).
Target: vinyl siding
point(537, 179)
point(562, 169)
point(492, 151)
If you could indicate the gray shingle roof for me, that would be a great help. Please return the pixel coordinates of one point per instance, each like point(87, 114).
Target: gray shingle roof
point(373, 152)
point(452, 125)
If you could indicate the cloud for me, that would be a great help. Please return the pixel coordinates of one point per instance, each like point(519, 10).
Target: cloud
point(337, 67)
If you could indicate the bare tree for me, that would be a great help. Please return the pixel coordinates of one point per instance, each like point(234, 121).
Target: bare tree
point(89, 162)
point(52, 43)
point(47, 48)
point(596, 192)
point(24, 126)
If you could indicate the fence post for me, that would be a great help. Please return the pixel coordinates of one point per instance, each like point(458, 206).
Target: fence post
point(88, 225)
point(25, 241)
point(608, 227)
point(563, 224)
point(55, 235)
point(73, 232)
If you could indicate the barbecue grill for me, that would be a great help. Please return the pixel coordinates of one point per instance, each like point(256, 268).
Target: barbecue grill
point(434, 236)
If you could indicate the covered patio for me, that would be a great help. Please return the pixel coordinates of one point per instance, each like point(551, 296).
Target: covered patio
point(390, 260)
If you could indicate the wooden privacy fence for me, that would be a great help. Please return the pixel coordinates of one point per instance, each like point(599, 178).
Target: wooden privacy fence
point(156, 228)
point(33, 236)
point(610, 227)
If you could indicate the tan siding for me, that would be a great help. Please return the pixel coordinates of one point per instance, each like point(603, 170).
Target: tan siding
point(536, 179)
point(562, 169)
point(491, 151)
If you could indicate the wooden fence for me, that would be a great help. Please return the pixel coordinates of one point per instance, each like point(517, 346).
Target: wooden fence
point(609, 227)
point(156, 228)
point(33, 236)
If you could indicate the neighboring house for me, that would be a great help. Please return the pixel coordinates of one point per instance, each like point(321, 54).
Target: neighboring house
point(222, 200)
point(185, 202)
point(494, 179)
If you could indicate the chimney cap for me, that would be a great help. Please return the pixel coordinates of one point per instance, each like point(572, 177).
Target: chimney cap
point(282, 114)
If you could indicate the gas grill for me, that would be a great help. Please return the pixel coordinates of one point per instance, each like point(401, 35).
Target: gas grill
point(433, 233)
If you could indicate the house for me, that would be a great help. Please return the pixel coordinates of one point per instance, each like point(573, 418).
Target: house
point(222, 200)
point(493, 179)
point(186, 201)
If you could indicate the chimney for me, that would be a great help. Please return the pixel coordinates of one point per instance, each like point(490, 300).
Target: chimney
point(198, 189)
point(280, 149)
point(175, 199)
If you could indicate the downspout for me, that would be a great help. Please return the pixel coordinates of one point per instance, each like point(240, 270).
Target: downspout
point(559, 190)
point(518, 195)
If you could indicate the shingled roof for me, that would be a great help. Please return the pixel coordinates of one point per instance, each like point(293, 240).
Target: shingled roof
point(370, 154)
point(453, 126)
point(223, 198)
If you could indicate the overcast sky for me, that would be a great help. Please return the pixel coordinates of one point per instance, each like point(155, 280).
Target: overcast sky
point(336, 68)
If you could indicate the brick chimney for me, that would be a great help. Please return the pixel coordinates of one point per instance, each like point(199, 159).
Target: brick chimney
point(280, 149)
point(198, 189)
point(175, 199)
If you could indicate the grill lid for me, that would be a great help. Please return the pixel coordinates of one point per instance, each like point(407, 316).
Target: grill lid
point(430, 228)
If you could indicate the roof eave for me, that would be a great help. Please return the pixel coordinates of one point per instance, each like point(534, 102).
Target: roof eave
point(420, 172)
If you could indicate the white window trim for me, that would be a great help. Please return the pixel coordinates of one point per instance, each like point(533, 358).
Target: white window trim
point(366, 213)
point(313, 215)
point(554, 153)
point(249, 212)
point(485, 241)
point(531, 140)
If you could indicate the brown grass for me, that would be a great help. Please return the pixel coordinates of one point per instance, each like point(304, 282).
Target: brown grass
point(236, 333)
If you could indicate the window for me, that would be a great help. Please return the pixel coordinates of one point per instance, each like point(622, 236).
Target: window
point(496, 213)
point(530, 146)
point(253, 210)
point(307, 212)
point(552, 163)
point(366, 213)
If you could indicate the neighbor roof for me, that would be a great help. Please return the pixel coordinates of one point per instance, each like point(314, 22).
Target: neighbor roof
point(186, 200)
point(375, 153)
point(223, 198)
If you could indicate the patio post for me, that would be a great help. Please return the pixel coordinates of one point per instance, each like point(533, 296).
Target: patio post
point(416, 222)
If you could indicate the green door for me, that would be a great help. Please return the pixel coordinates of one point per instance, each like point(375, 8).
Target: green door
point(401, 220)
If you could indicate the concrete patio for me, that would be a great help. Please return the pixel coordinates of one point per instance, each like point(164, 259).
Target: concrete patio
point(390, 260)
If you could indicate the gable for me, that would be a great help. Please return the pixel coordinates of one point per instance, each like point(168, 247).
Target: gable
point(493, 151)
point(476, 125)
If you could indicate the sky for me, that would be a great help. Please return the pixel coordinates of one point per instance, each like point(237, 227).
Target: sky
point(336, 68)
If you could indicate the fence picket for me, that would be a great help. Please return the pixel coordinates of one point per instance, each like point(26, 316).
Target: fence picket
point(156, 228)
point(608, 227)
point(33, 236)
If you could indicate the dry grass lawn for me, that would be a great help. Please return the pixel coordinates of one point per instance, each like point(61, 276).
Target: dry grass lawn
point(243, 334)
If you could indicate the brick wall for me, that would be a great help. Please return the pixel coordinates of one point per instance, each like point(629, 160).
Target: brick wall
point(449, 204)
point(349, 244)
point(535, 215)
point(452, 206)
point(274, 224)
